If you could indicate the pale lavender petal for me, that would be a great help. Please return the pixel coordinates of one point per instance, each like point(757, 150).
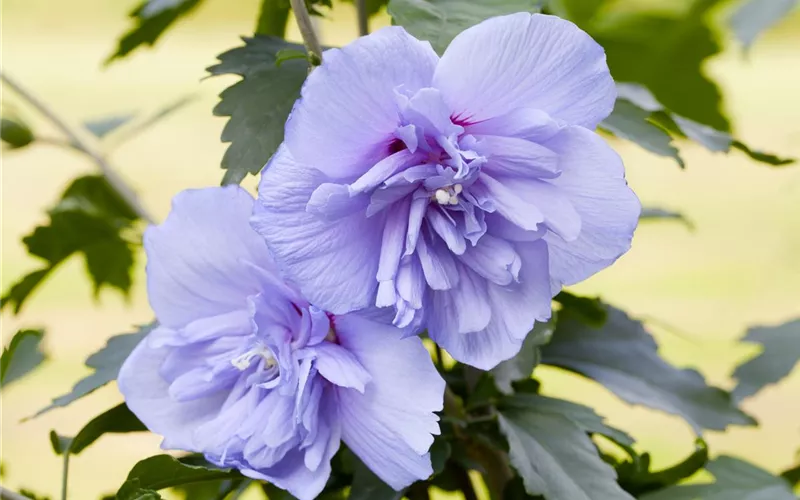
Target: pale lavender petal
point(509, 156)
point(446, 230)
point(463, 308)
point(493, 259)
point(333, 201)
point(382, 171)
point(438, 265)
point(523, 60)
point(340, 367)
point(510, 204)
point(523, 123)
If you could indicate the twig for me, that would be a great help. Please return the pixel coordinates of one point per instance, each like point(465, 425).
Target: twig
point(306, 26)
point(65, 475)
point(363, 18)
point(80, 144)
point(6, 494)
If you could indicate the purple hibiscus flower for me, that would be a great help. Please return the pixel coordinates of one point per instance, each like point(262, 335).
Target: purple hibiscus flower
point(246, 371)
point(462, 192)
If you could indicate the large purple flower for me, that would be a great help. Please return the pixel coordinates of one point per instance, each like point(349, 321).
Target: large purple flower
point(243, 369)
point(463, 192)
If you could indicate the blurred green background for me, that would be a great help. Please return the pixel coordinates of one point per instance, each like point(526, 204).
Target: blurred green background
point(700, 288)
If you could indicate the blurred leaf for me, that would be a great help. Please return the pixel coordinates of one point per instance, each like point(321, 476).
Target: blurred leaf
point(439, 21)
point(665, 53)
point(258, 105)
point(368, 486)
point(135, 129)
point(780, 355)
point(89, 220)
point(373, 6)
point(635, 477)
point(106, 364)
point(163, 471)
point(272, 18)
point(104, 126)
point(131, 491)
point(521, 366)
point(440, 453)
point(653, 213)
point(630, 122)
point(756, 16)
point(220, 489)
point(583, 416)
point(15, 132)
point(555, 457)
point(760, 156)
point(792, 475)
point(623, 357)
point(580, 12)
point(31, 495)
point(589, 310)
point(59, 443)
point(735, 480)
point(118, 419)
point(275, 493)
point(22, 356)
point(152, 18)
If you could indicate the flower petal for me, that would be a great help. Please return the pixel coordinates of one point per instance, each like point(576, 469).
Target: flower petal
point(340, 367)
point(523, 60)
point(390, 426)
point(197, 260)
point(354, 89)
point(335, 262)
point(593, 179)
point(516, 157)
point(463, 308)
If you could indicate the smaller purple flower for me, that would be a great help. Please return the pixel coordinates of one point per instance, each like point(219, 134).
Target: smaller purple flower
point(246, 371)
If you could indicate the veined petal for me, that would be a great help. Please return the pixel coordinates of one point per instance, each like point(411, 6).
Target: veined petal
point(523, 123)
point(523, 60)
point(340, 367)
point(463, 308)
point(493, 259)
point(507, 200)
point(509, 156)
point(354, 89)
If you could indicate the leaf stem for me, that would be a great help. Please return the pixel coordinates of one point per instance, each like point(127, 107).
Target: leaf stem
point(65, 475)
point(82, 145)
point(363, 18)
point(306, 26)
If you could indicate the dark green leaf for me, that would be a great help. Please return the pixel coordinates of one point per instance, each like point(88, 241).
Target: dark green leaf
point(585, 417)
point(131, 491)
point(792, 475)
point(555, 457)
point(258, 105)
point(31, 495)
point(629, 121)
point(289, 54)
point(440, 453)
point(521, 366)
point(22, 355)
point(635, 477)
point(275, 493)
point(439, 21)
point(118, 419)
point(589, 310)
point(272, 18)
point(15, 132)
point(104, 126)
point(163, 471)
point(735, 480)
point(368, 486)
point(60, 444)
point(106, 364)
point(373, 6)
point(623, 357)
point(756, 16)
point(780, 355)
point(760, 156)
point(89, 219)
point(580, 12)
point(652, 213)
point(151, 19)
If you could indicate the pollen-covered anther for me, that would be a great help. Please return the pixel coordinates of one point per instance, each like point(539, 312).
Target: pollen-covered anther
point(449, 195)
point(243, 361)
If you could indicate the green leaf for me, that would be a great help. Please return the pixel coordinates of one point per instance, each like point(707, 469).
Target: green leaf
point(636, 478)
point(629, 121)
point(761, 156)
point(555, 457)
point(60, 444)
point(22, 356)
point(90, 219)
point(258, 105)
point(780, 355)
point(118, 419)
point(373, 6)
point(521, 366)
point(586, 418)
point(623, 357)
point(439, 21)
point(15, 132)
point(163, 471)
point(104, 126)
point(580, 12)
point(106, 364)
point(151, 19)
point(272, 18)
point(653, 213)
point(589, 310)
point(368, 486)
point(756, 16)
point(440, 453)
point(735, 480)
point(131, 491)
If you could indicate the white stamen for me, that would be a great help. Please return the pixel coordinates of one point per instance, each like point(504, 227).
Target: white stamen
point(442, 196)
point(243, 361)
point(454, 199)
point(458, 188)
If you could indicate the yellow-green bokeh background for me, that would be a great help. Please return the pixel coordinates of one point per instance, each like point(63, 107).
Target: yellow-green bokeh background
point(739, 267)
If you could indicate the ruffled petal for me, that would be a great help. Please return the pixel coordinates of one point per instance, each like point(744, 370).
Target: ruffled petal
point(340, 367)
point(200, 260)
point(523, 60)
point(593, 179)
point(333, 262)
point(347, 114)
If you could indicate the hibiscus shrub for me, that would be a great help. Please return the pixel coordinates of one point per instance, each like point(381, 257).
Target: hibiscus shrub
point(369, 326)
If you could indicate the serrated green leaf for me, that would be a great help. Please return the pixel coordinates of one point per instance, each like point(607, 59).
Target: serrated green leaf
point(15, 132)
point(439, 21)
point(106, 364)
point(555, 457)
point(150, 22)
point(521, 366)
point(629, 121)
point(22, 356)
point(780, 355)
point(735, 480)
point(258, 105)
point(163, 471)
point(753, 17)
point(118, 419)
point(101, 127)
point(623, 357)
